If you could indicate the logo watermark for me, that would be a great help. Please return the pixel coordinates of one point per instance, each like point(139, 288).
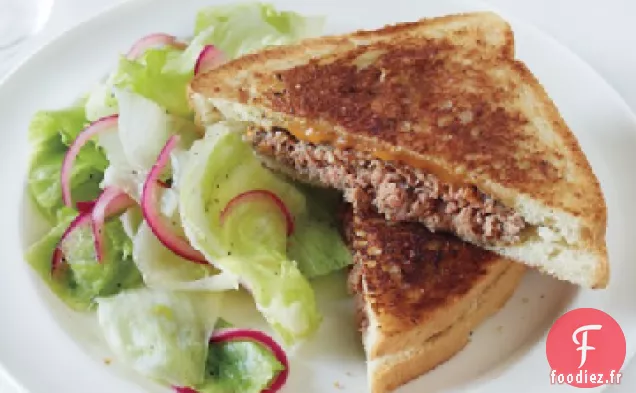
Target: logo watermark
point(583, 377)
point(586, 348)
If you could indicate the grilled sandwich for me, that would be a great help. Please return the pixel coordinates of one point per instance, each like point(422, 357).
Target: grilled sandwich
point(419, 294)
point(435, 119)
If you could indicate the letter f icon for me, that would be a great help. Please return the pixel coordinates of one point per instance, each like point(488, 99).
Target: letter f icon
point(584, 347)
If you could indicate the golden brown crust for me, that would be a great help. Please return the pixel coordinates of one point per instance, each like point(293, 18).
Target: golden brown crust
point(472, 121)
point(589, 199)
point(414, 282)
point(466, 23)
point(444, 94)
point(407, 28)
point(409, 271)
point(457, 99)
point(390, 372)
point(602, 274)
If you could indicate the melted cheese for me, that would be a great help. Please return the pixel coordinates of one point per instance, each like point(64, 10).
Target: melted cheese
point(321, 135)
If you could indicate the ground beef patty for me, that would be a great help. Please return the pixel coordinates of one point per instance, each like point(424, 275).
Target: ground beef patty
point(398, 191)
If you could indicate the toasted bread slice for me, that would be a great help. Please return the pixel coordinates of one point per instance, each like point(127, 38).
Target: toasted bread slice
point(440, 99)
point(390, 371)
point(419, 295)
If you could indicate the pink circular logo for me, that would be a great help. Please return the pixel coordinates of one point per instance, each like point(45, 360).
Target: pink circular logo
point(585, 348)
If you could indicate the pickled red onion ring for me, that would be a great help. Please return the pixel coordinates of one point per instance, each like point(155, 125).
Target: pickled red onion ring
point(151, 41)
point(105, 124)
point(58, 254)
point(262, 195)
point(110, 202)
point(152, 215)
point(236, 334)
point(209, 58)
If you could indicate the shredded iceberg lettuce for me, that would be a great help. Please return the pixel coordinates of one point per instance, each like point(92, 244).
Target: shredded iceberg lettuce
point(160, 334)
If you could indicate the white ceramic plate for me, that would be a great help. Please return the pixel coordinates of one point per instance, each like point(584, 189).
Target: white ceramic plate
point(46, 348)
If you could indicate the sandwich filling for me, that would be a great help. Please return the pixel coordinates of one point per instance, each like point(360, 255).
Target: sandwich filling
point(399, 192)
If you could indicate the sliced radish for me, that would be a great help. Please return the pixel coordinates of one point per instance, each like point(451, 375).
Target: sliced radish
point(110, 202)
point(265, 195)
point(184, 390)
point(153, 41)
point(209, 58)
point(152, 215)
point(226, 335)
point(235, 334)
point(58, 254)
point(85, 206)
point(105, 124)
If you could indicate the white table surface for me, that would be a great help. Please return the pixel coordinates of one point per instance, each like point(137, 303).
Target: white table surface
point(603, 33)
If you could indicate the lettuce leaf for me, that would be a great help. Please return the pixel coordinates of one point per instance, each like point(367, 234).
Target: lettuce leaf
point(238, 29)
point(220, 167)
point(44, 182)
point(144, 128)
point(164, 335)
point(52, 126)
point(160, 334)
point(101, 101)
point(162, 269)
point(318, 248)
point(155, 77)
point(50, 133)
point(162, 74)
point(84, 279)
point(317, 244)
point(244, 366)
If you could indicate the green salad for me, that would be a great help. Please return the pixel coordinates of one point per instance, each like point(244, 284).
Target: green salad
point(153, 218)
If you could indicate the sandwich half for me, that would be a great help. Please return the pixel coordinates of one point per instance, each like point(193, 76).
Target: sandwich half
point(419, 295)
point(439, 122)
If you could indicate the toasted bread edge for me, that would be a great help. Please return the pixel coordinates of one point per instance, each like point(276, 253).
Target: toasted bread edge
point(392, 371)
